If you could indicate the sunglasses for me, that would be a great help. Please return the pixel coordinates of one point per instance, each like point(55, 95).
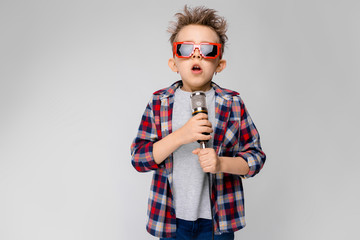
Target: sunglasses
point(187, 49)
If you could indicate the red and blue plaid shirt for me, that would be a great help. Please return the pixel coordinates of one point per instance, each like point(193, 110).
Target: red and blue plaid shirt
point(235, 135)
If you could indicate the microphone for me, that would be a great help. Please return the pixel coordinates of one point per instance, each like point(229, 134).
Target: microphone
point(198, 105)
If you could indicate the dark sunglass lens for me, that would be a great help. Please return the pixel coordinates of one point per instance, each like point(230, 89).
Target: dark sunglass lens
point(209, 50)
point(184, 50)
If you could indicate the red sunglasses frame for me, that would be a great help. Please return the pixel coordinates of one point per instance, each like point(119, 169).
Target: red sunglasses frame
point(197, 46)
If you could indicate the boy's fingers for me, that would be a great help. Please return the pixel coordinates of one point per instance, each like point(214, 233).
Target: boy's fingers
point(196, 151)
point(206, 129)
point(205, 123)
point(201, 152)
point(204, 137)
point(201, 116)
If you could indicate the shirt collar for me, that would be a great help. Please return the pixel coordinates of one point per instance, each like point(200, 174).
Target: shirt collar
point(170, 91)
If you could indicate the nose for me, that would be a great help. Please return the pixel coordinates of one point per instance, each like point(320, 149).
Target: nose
point(196, 53)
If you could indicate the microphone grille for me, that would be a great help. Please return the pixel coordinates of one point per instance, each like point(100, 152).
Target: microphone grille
point(198, 101)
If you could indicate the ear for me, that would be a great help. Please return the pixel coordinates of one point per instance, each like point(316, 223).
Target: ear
point(172, 65)
point(221, 65)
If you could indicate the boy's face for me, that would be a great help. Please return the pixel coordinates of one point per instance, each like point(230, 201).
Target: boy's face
point(196, 72)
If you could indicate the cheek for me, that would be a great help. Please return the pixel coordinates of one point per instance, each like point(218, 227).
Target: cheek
point(180, 64)
point(211, 66)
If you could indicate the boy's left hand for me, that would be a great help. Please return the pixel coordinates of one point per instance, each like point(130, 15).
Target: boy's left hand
point(209, 160)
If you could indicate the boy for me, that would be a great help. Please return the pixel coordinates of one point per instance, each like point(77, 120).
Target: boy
point(179, 204)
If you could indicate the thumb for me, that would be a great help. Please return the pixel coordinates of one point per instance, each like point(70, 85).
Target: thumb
point(196, 151)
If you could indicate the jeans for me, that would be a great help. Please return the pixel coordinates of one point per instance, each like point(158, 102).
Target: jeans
point(200, 229)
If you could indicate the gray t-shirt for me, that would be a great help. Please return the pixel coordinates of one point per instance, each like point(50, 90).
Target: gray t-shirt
point(190, 183)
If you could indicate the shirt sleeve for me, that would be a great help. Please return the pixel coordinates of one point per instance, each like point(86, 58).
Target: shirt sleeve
point(142, 147)
point(250, 147)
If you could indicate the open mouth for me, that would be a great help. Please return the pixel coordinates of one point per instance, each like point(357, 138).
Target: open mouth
point(196, 69)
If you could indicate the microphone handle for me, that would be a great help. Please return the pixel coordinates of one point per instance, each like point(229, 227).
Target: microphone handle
point(202, 142)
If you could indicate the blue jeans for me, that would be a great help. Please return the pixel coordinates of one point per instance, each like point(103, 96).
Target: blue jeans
point(200, 229)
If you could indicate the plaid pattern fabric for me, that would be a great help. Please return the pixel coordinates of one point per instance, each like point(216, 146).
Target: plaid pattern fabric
point(234, 135)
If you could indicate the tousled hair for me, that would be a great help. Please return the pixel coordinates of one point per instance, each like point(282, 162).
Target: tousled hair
point(199, 16)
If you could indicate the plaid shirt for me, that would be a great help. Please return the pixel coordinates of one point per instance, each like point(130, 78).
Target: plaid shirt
point(235, 135)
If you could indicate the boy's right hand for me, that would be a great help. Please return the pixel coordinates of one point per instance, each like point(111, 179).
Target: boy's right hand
point(193, 130)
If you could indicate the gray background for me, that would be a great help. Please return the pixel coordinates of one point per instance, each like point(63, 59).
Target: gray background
point(76, 77)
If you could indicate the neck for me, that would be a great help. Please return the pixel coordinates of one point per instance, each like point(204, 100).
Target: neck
point(204, 88)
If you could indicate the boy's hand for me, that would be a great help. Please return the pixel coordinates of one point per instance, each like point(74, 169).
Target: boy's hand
point(209, 160)
point(193, 130)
